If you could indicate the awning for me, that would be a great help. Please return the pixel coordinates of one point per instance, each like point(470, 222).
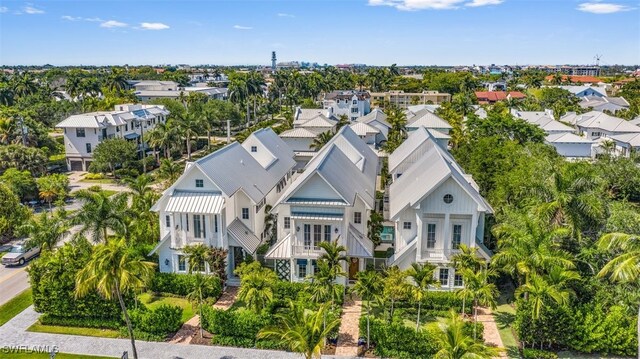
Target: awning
point(317, 216)
point(243, 235)
point(131, 136)
point(195, 202)
point(281, 250)
point(357, 244)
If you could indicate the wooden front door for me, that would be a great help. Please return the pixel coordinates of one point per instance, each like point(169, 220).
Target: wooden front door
point(354, 266)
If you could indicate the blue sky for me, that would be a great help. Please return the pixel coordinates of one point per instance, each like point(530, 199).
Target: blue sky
point(377, 32)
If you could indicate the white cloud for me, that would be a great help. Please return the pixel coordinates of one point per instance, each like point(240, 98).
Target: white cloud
point(3, 9)
point(32, 10)
point(477, 3)
point(240, 27)
point(80, 18)
point(411, 5)
point(153, 26)
point(602, 7)
point(112, 24)
point(282, 14)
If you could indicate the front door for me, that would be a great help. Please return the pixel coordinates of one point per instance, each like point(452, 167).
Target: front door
point(354, 266)
point(238, 256)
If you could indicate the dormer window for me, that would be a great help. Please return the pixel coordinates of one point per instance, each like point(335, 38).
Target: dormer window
point(254, 149)
point(199, 183)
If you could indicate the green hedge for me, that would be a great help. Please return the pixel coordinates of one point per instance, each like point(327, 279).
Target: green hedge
point(538, 354)
point(239, 324)
point(182, 284)
point(161, 321)
point(399, 341)
point(99, 323)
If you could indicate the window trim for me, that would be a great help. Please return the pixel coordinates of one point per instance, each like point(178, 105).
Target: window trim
point(254, 149)
point(440, 277)
point(286, 222)
point(167, 221)
point(431, 243)
point(79, 131)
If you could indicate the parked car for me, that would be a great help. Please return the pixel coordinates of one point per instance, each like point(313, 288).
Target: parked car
point(19, 254)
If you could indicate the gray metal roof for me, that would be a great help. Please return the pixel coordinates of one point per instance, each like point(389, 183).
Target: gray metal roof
point(317, 216)
point(566, 137)
point(243, 235)
point(357, 244)
point(195, 202)
point(298, 133)
point(112, 118)
point(375, 115)
point(280, 250)
point(419, 141)
point(427, 119)
point(282, 154)
point(363, 129)
point(601, 120)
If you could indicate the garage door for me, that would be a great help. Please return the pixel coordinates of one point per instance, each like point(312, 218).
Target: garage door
point(76, 165)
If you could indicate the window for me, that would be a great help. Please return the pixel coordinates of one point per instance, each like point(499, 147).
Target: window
point(357, 217)
point(215, 223)
point(199, 226)
point(354, 110)
point(406, 225)
point(79, 132)
point(317, 234)
point(88, 147)
point(126, 127)
point(448, 198)
point(456, 238)
point(443, 277)
point(199, 183)
point(254, 148)
point(245, 213)
point(167, 221)
point(307, 236)
point(353, 118)
point(182, 264)
point(457, 280)
point(302, 268)
point(431, 235)
point(186, 216)
point(327, 233)
point(287, 222)
point(355, 102)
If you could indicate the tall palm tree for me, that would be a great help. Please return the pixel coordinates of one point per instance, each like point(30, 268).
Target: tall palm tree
point(368, 286)
point(539, 291)
point(114, 270)
point(196, 295)
point(24, 84)
point(46, 231)
point(169, 170)
point(164, 136)
point(398, 132)
point(625, 265)
point(116, 80)
point(100, 213)
point(557, 78)
point(455, 344)
point(334, 256)
point(479, 290)
point(466, 258)
point(321, 140)
point(196, 255)
point(395, 287)
point(256, 288)
point(423, 277)
point(189, 126)
point(301, 330)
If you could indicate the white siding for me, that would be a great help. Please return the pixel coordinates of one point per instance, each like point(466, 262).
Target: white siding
point(462, 202)
point(316, 188)
point(573, 149)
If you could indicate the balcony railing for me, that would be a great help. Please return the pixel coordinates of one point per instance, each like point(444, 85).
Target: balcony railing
point(309, 251)
point(438, 253)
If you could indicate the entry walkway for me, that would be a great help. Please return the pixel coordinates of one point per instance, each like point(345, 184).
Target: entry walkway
point(349, 328)
point(491, 333)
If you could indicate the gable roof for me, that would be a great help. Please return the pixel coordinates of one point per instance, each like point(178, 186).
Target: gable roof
point(282, 155)
point(299, 132)
point(633, 139)
point(375, 115)
point(317, 121)
point(493, 96)
point(363, 129)
point(100, 119)
point(596, 119)
point(427, 119)
point(420, 140)
point(566, 137)
point(578, 89)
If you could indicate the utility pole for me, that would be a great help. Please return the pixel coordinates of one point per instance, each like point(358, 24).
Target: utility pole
point(23, 130)
point(228, 131)
point(144, 163)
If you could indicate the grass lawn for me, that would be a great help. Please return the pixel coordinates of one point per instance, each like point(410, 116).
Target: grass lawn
point(99, 181)
point(109, 192)
point(46, 356)
point(87, 332)
point(16, 305)
point(152, 301)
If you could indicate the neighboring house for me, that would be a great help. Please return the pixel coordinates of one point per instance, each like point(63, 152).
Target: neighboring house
point(595, 125)
point(153, 85)
point(221, 201)
point(490, 97)
point(435, 207)
point(626, 144)
point(602, 103)
point(366, 132)
point(352, 104)
point(84, 132)
point(315, 120)
point(377, 119)
point(427, 119)
point(570, 145)
point(586, 91)
point(300, 141)
point(148, 91)
point(544, 120)
point(412, 110)
point(403, 99)
point(331, 200)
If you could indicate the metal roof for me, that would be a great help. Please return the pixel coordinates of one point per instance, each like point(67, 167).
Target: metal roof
point(299, 132)
point(419, 141)
point(280, 250)
point(112, 118)
point(375, 115)
point(601, 120)
point(633, 139)
point(357, 244)
point(363, 129)
point(317, 216)
point(281, 154)
point(243, 235)
point(427, 119)
point(195, 202)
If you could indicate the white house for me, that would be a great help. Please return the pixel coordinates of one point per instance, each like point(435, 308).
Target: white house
point(602, 103)
point(595, 125)
point(582, 91)
point(300, 141)
point(315, 120)
point(83, 133)
point(435, 207)
point(366, 132)
point(331, 200)
point(220, 201)
point(626, 144)
point(377, 119)
point(352, 104)
point(148, 90)
point(427, 119)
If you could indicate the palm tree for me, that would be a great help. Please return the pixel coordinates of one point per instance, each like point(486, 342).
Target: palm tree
point(114, 269)
point(625, 266)
point(334, 257)
point(455, 344)
point(196, 255)
point(423, 277)
point(216, 258)
point(398, 132)
point(189, 126)
point(301, 330)
point(368, 286)
point(116, 80)
point(46, 231)
point(169, 170)
point(100, 213)
point(24, 84)
point(196, 296)
point(539, 291)
point(256, 288)
point(466, 258)
point(556, 78)
point(479, 290)
point(165, 136)
point(321, 140)
point(395, 286)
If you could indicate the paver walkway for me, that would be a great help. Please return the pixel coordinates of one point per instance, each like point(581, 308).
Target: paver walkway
point(491, 333)
point(192, 326)
point(349, 328)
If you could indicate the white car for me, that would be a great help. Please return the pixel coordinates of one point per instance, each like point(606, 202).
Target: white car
point(19, 254)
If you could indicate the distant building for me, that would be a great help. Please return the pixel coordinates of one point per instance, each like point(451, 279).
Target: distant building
point(582, 91)
point(490, 97)
point(350, 103)
point(602, 103)
point(576, 79)
point(147, 91)
point(403, 99)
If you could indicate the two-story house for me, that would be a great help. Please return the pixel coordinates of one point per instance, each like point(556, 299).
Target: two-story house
point(595, 125)
point(331, 200)
point(352, 104)
point(221, 201)
point(83, 133)
point(435, 207)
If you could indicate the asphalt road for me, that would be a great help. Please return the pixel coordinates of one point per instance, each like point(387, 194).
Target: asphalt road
point(13, 281)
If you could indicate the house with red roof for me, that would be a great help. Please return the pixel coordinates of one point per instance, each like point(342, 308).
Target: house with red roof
point(490, 97)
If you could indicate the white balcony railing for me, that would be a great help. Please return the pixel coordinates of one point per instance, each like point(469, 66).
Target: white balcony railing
point(438, 253)
point(307, 251)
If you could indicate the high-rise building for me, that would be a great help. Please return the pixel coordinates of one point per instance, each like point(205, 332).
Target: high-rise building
point(273, 61)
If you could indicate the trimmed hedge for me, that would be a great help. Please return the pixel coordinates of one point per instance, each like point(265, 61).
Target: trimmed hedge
point(399, 341)
point(538, 354)
point(182, 284)
point(160, 321)
point(99, 323)
point(238, 324)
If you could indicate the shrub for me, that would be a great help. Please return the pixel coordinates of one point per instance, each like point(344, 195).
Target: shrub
point(596, 329)
point(93, 176)
point(99, 323)
point(444, 301)
point(140, 335)
point(126, 173)
point(160, 321)
point(551, 328)
point(182, 284)
point(399, 341)
point(241, 323)
point(288, 290)
point(538, 354)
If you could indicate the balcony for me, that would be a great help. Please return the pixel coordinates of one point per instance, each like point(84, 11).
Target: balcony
point(438, 254)
point(307, 251)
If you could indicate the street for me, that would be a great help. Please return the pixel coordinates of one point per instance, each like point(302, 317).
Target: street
point(13, 280)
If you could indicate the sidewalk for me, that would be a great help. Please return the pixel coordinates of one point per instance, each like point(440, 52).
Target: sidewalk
point(349, 328)
point(491, 333)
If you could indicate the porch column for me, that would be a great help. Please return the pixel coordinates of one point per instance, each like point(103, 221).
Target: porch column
point(446, 241)
point(474, 226)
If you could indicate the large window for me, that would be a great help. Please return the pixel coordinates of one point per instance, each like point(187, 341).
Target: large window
point(317, 234)
point(245, 213)
point(287, 222)
point(327, 233)
point(456, 236)
point(357, 217)
point(182, 263)
point(431, 235)
point(444, 277)
point(80, 132)
point(307, 236)
point(302, 268)
point(199, 226)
